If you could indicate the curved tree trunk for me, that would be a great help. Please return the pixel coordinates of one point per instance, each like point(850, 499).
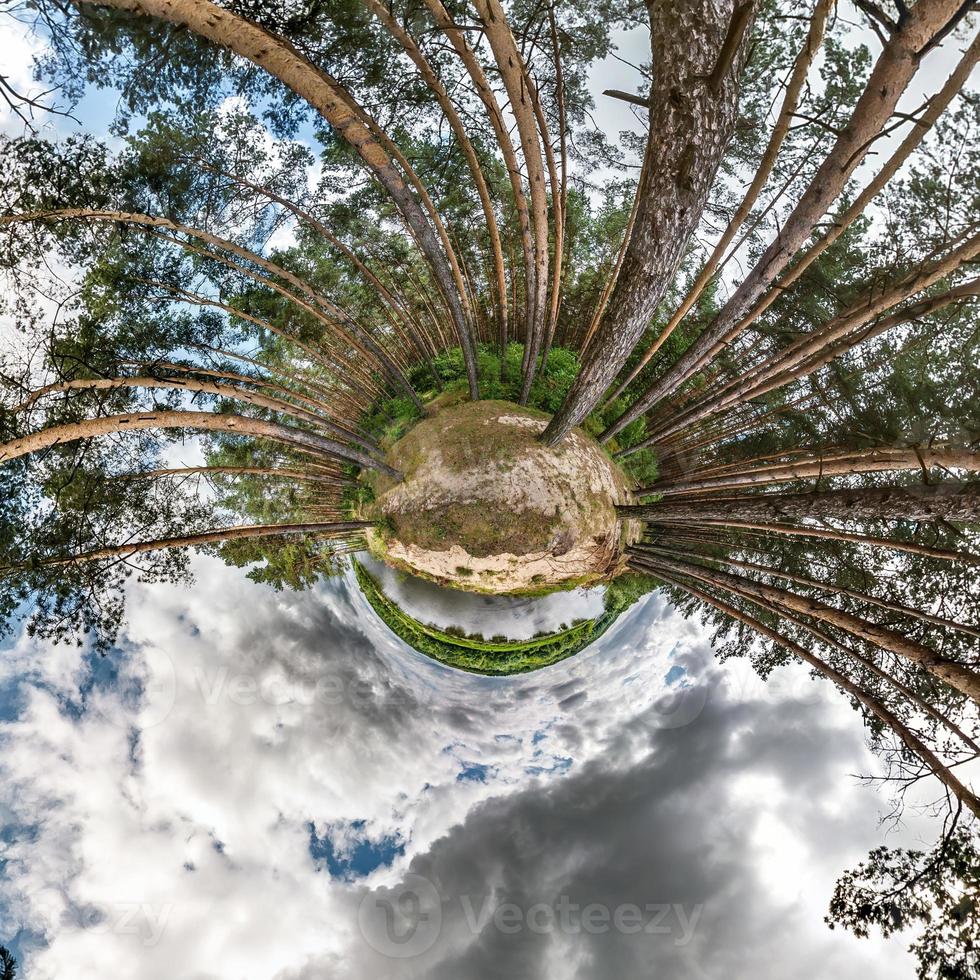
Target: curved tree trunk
point(691, 122)
point(854, 594)
point(912, 742)
point(925, 502)
point(804, 531)
point(343, 331)
point(876, 460)
point(923, 123)
point(381, 11)
point(519, 91)
point(326, 413)
point(466, 338)
point(203, 387)
point(866, 662)
point(213, 537)
point(843, 333)
point(557, 206)
point(340, 327)
point(957, 675)
point(278, 472)
point(336, 368)
point(396, 305)
point(210, 421)
point(318, 305)
point(561, 195)
point(280, 59)
point(501, 131)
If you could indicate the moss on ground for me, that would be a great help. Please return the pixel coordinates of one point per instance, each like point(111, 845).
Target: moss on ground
point(477, 478)
point(464, 437)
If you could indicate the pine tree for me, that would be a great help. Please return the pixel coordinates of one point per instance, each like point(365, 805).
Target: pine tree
point(763, 310)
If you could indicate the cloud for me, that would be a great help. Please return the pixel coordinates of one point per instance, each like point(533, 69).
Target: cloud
point(675, 860)
point(20, 48)
point(158, 821)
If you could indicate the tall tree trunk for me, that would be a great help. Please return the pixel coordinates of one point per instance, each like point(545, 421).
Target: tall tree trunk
point(921, 502)
point(278, 472)
point(866, 662)
point(875, 460)
point(318, 306)
point(341, 329)
point(467, 339)
point(209, 388)
point(854, 594)
point(825, 534)
point(209, 421)
point(324, 412)
point(481, 83)
point(843, 333)
point(561, 208)
point(395, 304)
point(801, 68)
point(280, 59)
point(520, 92)
point(693, 109)
point(912, 742)
point(896, 65)
point(384, 15)
point(923, 124)
point(236, 533)
point(957, 675)
point(336, 368)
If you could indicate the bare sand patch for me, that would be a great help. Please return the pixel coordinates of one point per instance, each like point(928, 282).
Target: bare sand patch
point(484, 506)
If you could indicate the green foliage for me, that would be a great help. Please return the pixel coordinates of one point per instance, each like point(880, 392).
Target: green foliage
point(939, 892)
point(391, 419)
point(626, 589)
point(503, 380)
point(8, 965)
point(553, 380)
point(65, 505)
point(450, 646)
point(294, 562)
point(642, 466)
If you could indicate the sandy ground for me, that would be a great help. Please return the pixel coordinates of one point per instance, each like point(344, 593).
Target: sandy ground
point(550, 510)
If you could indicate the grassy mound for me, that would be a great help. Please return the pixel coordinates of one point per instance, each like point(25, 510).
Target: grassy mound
point(496, 657)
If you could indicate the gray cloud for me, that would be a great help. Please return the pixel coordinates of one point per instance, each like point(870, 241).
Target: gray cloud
point(676, 831)
point(183, 849)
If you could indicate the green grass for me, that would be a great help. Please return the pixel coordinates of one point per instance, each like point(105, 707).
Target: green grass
point(498, 656)
point(502, 380)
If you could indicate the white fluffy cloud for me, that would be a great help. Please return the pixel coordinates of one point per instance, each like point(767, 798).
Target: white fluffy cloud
point(20, 47)
point(158, 807)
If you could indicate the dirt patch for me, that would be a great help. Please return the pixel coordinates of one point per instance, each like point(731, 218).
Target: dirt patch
point(484, 506)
